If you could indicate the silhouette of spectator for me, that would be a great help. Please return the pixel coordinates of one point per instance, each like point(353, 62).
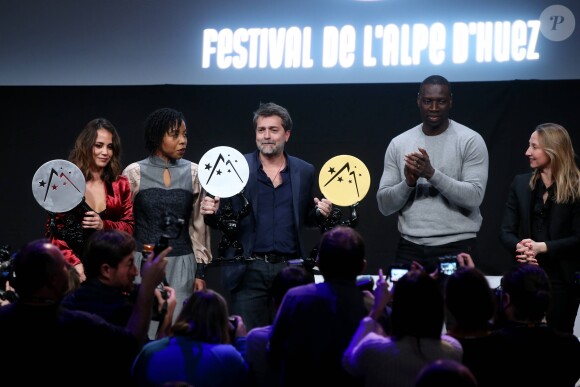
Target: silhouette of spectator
point(471, 303)
point(36, 326)
point(203, 349)
point(446, 373)
point(417, 315)
point(109, 289)
point(528, 351)
point(257, 340)
point(315, 322)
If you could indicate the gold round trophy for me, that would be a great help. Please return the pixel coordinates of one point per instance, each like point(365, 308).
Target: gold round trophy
point(344, 180)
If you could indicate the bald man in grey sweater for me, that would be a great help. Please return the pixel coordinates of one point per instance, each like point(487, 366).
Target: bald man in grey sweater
point(434, 178)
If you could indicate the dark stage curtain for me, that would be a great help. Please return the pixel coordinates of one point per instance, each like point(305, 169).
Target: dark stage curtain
point(41, 123)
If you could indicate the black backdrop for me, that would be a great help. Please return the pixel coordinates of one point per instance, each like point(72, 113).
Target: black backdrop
point(40, 124)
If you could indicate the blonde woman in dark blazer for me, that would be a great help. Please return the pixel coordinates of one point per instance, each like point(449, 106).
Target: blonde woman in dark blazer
point(541, 222)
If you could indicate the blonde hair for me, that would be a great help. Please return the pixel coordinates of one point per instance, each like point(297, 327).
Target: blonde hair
point(556, 143)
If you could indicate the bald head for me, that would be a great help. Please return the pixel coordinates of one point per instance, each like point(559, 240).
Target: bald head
point(40, 271)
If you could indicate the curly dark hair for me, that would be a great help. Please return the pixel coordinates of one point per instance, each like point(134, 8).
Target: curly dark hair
point(158, 124)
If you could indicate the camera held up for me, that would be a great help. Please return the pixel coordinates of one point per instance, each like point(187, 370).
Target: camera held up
point(171, 227)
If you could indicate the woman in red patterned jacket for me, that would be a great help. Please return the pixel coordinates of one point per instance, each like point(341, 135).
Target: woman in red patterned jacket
point(107, 203)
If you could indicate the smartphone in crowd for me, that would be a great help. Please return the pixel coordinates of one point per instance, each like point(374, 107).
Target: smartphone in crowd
point(447, 264)
point(397, 271)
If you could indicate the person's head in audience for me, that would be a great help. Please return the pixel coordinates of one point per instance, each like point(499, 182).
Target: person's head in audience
point(470, 301)
point(74, 278)
point(417, 307)
point(341, 254)
point(40, 272)
point(204, 317)
point(109, 258)
point(445, 373)
point(287, 278)
point(39, 321)
point(525, 294)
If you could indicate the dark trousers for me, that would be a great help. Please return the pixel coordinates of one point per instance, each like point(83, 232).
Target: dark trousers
point(564, 304)
point(252, 298)
point(408, 252)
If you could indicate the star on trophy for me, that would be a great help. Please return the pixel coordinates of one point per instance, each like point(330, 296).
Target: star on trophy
point(224, 172)
point(344, 180)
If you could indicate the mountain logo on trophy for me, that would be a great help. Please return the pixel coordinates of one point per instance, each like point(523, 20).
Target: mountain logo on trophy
point(58, 186)
point(344, 180)
point(62, 183)
point(223, 171)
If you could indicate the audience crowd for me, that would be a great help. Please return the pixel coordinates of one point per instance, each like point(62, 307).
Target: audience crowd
point(424, 330)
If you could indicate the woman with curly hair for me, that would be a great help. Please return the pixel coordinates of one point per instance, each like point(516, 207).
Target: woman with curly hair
point(167, 194)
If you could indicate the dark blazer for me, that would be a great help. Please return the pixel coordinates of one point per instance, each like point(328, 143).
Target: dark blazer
point(302, 175)
point(563, 227)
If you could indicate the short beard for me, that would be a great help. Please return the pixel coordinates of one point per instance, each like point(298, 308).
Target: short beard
point(275, 150)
